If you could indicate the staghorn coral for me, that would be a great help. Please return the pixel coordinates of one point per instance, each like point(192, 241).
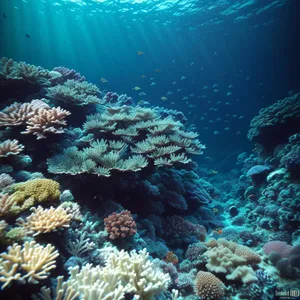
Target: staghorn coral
point(47, 121)
point(5, 205)
point(276, 123)
point(124, 273)
point(28, 193)
point(120, 225)
point(208, 286)
point(46, 220)
point(30, 262)
point(127, 139)
point(74, 92)
point(61, 292)
point(10, 147)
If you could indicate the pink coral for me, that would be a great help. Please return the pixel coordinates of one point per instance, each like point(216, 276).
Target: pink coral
point(10, 147)
point(277, 246)
point(37, 115)
point(120, 225)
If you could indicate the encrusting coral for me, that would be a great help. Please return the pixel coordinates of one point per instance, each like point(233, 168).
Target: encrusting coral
point(226, 256)
point(31, 192)
point(31, 262)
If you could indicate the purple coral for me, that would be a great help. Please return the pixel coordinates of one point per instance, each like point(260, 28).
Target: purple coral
point(67, 74)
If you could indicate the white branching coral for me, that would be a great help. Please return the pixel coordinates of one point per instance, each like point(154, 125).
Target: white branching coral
point(129, 139)
point(46, 220)
point(124, 273)
point(10, 147)
point(31, 262)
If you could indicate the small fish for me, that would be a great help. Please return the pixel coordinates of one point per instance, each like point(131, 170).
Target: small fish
point(28, 36)
point(103, 80)
point(140, 53)
point(230, 86)
point(215, 90)
point(157, 70)
point(182, 78)
point(215, 210)
point(143, 76)
point(136, 88)
point(228, 94)
point(173, 61)
point(4, 16)
point(151, 79)
point(163, 99)
point(223, 74)
point(169, 93)
point(191, 63)
point(142, 94)
point(174, 82)
point(152, 83)
point(178, 90)
point(205, 87)
point(218, 231)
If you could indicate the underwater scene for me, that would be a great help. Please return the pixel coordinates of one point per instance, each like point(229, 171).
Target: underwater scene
point(149, 149)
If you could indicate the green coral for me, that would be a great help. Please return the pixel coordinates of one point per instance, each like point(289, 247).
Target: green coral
point(27, 194)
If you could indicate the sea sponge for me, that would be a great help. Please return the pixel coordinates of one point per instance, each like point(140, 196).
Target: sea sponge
point(208, 286)
point(28, 193)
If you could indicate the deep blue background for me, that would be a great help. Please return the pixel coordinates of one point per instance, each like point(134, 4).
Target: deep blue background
point(263, 47)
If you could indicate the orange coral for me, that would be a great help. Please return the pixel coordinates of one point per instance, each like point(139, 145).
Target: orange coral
point(171, 257)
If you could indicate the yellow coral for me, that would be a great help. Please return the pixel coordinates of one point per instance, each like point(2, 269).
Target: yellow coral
point(47, 220)
point(28, 193)
point(32, 259)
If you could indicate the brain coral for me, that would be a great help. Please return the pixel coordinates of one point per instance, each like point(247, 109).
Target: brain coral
point(276, 123)
point(208, 286)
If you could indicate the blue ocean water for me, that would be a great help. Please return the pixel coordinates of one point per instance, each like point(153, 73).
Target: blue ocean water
point(219, 63)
